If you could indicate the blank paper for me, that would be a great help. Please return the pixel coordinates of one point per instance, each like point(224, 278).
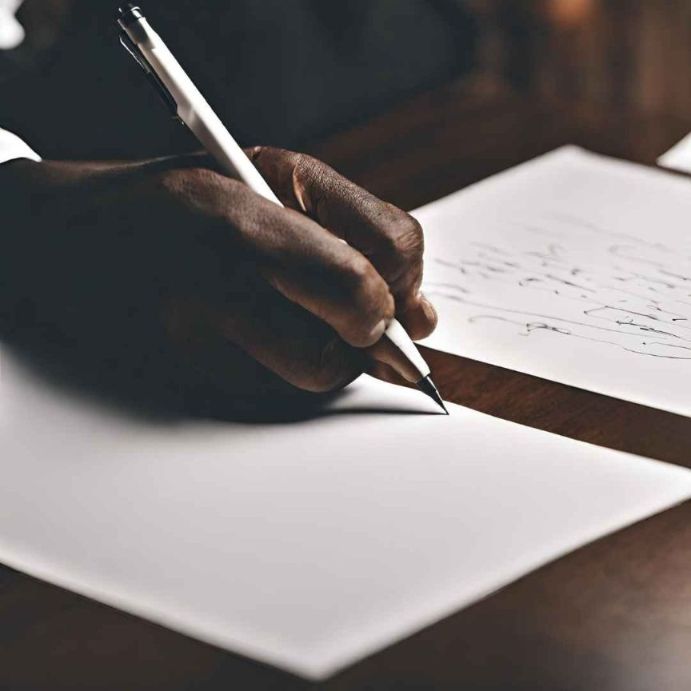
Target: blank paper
point(310, 544)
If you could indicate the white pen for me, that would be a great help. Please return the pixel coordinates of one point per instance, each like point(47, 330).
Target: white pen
point(187, 103)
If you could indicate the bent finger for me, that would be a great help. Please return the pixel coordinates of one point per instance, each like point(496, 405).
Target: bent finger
point(302, 260)
point(390, 238)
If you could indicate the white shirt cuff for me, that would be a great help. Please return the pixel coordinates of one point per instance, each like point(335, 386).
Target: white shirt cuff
point(678, 157)
point(12, 148)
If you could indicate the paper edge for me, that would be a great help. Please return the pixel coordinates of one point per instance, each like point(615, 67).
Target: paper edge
point(566, 150)
point(375, 643)
point(673, 409)
point(450, 606)
point(379, 638)
point(137, 607)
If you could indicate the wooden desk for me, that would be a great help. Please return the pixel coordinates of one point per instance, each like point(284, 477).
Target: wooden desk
point(615, 615)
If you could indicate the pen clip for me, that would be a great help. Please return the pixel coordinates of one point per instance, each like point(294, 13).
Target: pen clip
point(161, 89)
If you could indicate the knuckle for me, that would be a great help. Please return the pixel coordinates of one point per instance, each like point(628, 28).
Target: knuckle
point(320, 176)
point(303, 163)
point(367, 293)
point(404, 254)
point(254, 152)
point(361, 278)
point(269, 154)
point(369, 302)
point(405, 236)
point(309, 172)
point(273, 154)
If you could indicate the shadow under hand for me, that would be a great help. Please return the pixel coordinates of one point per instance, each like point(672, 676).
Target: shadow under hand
point(150, 382)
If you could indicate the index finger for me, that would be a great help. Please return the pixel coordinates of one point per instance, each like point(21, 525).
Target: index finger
point(390, 238)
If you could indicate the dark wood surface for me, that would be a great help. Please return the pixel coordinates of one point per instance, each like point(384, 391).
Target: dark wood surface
point(615, 615)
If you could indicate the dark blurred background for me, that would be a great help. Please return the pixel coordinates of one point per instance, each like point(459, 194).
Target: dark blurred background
point(277, 71)
point(291, 72)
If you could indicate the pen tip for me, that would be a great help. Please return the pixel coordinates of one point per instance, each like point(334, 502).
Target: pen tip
point(426, 385)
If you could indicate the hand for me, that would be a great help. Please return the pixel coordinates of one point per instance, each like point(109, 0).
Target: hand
point(125, 253)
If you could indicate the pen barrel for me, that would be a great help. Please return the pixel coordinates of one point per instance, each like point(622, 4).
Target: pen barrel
point(194, 110)
point(214, 137)
point(402, 343)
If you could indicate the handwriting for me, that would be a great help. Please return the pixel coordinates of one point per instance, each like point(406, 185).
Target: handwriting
point(574, 279)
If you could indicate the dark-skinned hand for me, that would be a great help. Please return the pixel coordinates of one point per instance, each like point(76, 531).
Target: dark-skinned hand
point(139, 257)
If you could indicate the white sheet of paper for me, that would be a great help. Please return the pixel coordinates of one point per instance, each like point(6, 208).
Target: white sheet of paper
point(572, 267)
point(306, 545)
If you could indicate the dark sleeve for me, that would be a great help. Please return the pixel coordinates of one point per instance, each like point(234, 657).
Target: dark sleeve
point(277, 71)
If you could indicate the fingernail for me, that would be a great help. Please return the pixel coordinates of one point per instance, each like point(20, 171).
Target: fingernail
point(378, 331)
